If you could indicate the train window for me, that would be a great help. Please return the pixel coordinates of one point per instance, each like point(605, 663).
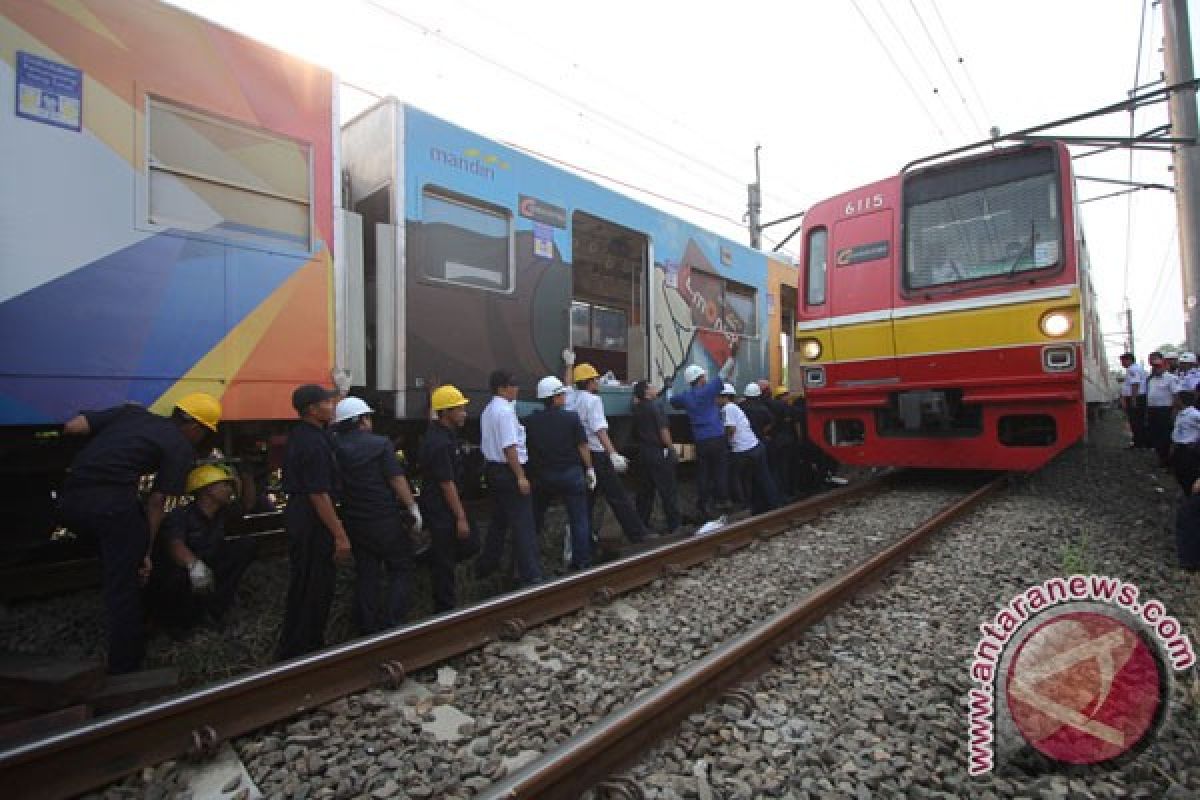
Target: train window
point(740, 308)
point(581, 324)
point(466, 242)
point(970, 222)
point(609, 328)
point(722, 305)
point(816, 257)
point(221, 178)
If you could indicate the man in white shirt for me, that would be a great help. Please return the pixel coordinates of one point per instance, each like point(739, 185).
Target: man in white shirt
point(1185, 442)
point(503, 443)
point(1133, 397)
point(584, 400)
point(750, 467)
point(1189, 375)
point(1161, 386)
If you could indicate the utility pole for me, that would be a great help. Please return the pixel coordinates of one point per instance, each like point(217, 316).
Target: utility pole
point(1177, 51)
point(754, 205)
point(1127, 314)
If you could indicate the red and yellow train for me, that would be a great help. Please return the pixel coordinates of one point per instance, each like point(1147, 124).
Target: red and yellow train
point(945, 316)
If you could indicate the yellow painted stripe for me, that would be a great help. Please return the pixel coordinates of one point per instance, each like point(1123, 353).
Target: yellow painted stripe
point(865, 340)
point(1001, 326)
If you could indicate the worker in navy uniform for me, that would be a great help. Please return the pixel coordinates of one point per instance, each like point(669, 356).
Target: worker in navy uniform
point(560, 465)
point(708, 433)
point(440, 464)
point(656, 457)
point(196, 569)
point(1185, 442)
point(749, 455)
point(100, 499)
point(812, 467)
point(782, 442)
point(584, 400)
point(1161, 386)
point(316, 537)
point(380, 514)
point(502, 439)
point(1133, 399)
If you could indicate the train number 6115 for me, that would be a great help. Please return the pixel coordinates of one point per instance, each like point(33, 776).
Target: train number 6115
point(864, 204)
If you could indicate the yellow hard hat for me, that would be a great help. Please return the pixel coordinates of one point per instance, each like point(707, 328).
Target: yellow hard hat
point(584, 372)
point(447, 397)
point(780, 390)
point(204, 408)
point(206, 475)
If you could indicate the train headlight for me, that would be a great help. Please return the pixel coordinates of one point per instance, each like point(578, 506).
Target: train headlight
point(1056, 324)
point(810, 349)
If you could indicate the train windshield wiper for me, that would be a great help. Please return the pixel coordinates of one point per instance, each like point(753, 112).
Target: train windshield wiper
point(1029, 245)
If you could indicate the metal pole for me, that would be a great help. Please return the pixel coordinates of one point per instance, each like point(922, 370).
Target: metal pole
point(1128, 315)
point(1177, 51)
point(754, 202)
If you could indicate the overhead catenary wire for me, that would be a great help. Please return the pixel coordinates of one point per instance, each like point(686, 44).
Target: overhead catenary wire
point(961, 61)
point(1154, 299)
point(903, 76)
point(1137, 73)
point(938, 52)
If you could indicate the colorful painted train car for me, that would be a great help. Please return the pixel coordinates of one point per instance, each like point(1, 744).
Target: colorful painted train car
point(946, 317)
point(478, 255)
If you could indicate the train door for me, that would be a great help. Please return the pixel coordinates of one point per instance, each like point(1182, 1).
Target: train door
point(860, 285)
point(787, 329)
point(608, 297)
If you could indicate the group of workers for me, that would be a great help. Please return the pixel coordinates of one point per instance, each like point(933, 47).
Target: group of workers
point(1162, 406)
point(349, 495)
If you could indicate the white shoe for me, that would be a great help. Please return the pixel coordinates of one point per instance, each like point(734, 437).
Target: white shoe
point(834, 480)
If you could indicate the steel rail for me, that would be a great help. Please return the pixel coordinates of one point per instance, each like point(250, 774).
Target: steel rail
point(106, 749)
point(622, 737)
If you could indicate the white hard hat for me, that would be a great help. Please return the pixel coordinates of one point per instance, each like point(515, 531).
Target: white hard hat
point(752, 390)
point(692, 372)
point(1189, 357)
point(350, 408)
point(729, 390)
point(549, 386)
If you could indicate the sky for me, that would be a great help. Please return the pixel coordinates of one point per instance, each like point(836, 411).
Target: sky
point(669, 99)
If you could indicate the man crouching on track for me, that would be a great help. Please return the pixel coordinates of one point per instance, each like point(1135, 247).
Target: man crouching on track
point(316, 537)
point(441, 467)
point(100, 499)
point(196, 569)
point(375, 496)
point(561, 464)
point(585, 401)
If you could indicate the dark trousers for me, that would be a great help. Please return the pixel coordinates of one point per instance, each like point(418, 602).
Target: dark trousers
point(383, 572)
point(657, 474)
point(310, 585)
point(442, 559)
point(756, 475)
point(1187, 533)
point(1158, 429)
point(570, 486)
point(1135, 412)
point(169, 593)
point(120, 528)
point(608, 483)
point(712, 473)
point(1185, 460)
point(513, 511)
point(779, 459)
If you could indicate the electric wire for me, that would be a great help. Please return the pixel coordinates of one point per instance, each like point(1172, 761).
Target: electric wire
point(916, 95)
point(924, 72)
point(961, 61)
point(1155, 299)
point(938, 52)
point(1137, 74)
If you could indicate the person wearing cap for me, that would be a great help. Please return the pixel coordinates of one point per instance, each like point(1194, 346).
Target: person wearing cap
point(380, 514)
point(196, 569)
point(502, 440)
point(1189, 373)
point(560, 464)
point(1133, 399)
point(440, 464)
point(100, 499)
point(585, 401)
point(1161, 387)
point(708, 433)
point(783, 441)
point(316, 537)
point(749, 455)
point(657, 457)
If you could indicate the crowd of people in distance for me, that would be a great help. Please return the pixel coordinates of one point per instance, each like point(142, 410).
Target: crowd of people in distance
point(1162, 406)
point(349, 496)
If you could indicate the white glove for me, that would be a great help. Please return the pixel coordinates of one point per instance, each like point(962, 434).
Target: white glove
point(590, 478)
point(417, 522)
point(727, 368)
point(667, 453)
point(568, 356)
point(200, 576)
point(620, 463)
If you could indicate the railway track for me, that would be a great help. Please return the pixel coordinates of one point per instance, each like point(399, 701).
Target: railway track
point(102, 751)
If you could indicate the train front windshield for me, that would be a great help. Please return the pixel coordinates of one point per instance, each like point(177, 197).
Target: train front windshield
point(994, 218)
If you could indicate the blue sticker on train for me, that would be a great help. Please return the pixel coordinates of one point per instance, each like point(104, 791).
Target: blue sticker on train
point(49, 92)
